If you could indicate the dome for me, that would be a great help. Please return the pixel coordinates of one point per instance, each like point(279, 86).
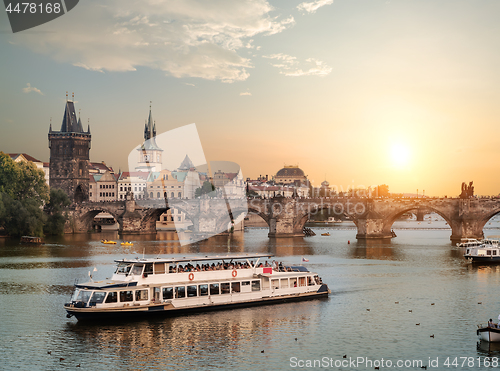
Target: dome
point(290, 171)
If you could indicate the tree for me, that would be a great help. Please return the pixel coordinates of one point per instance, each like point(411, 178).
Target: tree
point(383, 190)
point(56, 218)
point(23, 192)
point(206, 188)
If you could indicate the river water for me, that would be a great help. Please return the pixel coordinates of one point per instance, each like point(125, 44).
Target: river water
point(410, 299)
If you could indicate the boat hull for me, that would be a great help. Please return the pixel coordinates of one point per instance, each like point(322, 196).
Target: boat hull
point(483, 259)
point(491, 335)
point(168, 310)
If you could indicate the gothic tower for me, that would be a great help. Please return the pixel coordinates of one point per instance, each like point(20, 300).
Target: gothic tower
point(69, 156)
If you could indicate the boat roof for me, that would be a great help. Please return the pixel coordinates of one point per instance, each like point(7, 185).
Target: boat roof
point(195, 258)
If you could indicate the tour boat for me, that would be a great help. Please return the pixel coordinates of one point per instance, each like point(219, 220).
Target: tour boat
point(127, 243)
point(469, 242)
point(489, 334)
point(175, 286)
point(31, 240)
point(485, 251)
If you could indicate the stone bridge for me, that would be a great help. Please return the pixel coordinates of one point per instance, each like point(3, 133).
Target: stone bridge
point(286, 217)
point(374, 217)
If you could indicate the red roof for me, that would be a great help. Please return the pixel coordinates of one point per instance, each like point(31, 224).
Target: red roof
point(14, 156)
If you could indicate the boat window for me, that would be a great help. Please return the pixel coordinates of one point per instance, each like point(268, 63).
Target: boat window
point(310, 281)
point(98, 297)
point(284, 283)
point(275, 283)
point(148, 268)
point(494, 252)
point(245, 283)
point(180, 292)
point(203, 290)
point(293, 282)
point(192, 291)
point(225, 288)
point(302, 281)
point(468, 251)
point(488, 252)
point(255, 285)
point(214, 289)
point(83, 296)
point(112, 297)
point(126, 296)
point(141, 295)
point(168, 293)
point(159, 268)
point(235, 287)
point(137, 270)
point(123, 268)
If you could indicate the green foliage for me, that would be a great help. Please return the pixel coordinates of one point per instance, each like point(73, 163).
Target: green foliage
point(206, 188)
point(23, 192)
point(56, 218)
point(22, 217)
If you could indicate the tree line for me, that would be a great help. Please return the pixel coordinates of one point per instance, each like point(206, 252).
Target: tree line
point(27, 207)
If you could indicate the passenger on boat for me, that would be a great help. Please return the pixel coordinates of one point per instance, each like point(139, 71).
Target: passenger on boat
point(491, 324)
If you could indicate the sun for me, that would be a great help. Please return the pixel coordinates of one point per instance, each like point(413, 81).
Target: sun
point(400, 155)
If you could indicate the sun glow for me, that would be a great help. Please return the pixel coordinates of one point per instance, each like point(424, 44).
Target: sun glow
point(400, 155)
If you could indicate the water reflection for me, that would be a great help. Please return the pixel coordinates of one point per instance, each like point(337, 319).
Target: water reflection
point(210, 338)
point(374, 249)
point(487, 349)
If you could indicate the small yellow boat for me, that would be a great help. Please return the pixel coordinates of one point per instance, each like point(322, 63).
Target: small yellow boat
point(109, 242)
point(325, 234)
point(126, 243)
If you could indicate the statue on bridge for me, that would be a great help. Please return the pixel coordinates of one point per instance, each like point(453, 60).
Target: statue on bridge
point(467, 190)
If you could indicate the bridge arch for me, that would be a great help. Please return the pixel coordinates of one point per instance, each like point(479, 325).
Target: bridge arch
point(391, 218)
point(486, 218)
point(86, 218)
point(253, 210)
point(302, 219)
point(152, 214)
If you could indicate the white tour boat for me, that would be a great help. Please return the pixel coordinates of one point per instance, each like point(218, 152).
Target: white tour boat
point(175, 286)
point(490, 334)
point(485, 251)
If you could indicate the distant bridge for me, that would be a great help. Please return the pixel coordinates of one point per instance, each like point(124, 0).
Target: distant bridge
point(286, 217)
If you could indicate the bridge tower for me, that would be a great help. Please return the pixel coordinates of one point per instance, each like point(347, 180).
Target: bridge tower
point(69, 156)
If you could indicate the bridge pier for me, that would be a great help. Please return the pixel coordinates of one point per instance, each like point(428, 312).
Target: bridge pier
point(466, 228)
point(372, 228)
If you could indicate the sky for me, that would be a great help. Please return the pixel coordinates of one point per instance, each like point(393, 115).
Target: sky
point(357, 92)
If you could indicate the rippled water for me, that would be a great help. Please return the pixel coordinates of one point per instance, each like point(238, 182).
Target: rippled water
point(380, 292)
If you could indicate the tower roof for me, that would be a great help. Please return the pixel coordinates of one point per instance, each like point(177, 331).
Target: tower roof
point(186, 164)
point(150, 133)
point(70, 123)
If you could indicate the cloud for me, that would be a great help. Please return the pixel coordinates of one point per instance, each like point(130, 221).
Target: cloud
point(29, 89)
point(312, 6)
point(189, 38)
point(189, 84)
point(246, 93)
point(290, 66)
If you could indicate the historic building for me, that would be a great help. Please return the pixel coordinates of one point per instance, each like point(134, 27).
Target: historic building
point(103, 187)
point(69, 156)
point(290, 174)
point(24, 157)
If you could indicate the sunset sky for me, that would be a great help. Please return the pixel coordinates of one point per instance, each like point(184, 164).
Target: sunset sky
point(362, 92)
